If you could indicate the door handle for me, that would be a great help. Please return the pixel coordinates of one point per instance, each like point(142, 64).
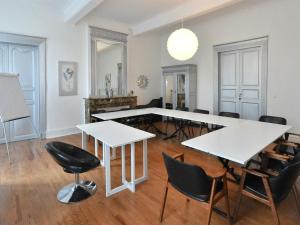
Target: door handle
point(240, 96)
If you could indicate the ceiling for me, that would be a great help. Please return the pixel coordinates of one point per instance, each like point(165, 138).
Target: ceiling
point(134, 11)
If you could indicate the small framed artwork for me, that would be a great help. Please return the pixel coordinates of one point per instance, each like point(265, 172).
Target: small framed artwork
point(68, 78)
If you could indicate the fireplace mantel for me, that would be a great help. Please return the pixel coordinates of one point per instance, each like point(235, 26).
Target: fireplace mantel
point(95, 103)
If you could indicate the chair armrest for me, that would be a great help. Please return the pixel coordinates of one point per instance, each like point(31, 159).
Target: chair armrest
point(179, 156)
point(280, 157)
point(255, 173)
point(290, 144)
point(219, 174)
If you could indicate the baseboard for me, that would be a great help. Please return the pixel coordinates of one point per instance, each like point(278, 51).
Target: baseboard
point(61, 132)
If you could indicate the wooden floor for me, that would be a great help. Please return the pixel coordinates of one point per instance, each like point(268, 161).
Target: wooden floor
point(29, 186)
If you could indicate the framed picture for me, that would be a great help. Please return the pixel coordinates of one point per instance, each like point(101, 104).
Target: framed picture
point(68, 78)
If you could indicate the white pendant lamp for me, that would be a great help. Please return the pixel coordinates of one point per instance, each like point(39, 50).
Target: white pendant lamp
point(182, 44)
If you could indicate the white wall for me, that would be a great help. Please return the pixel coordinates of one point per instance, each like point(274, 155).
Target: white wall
point(144, 59)
point(64, 42)
point(251, 19)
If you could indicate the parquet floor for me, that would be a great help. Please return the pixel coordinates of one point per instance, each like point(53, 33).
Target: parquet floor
point(28, 189)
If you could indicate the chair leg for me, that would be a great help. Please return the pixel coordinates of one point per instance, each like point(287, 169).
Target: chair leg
point(239, 200)
point(164, 204)
point(296, 196)
point(227, 200)
point(201, 129)
point(271, 201)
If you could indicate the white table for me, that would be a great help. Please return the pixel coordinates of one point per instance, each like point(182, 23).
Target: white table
point(239, 141)
point(113, 135)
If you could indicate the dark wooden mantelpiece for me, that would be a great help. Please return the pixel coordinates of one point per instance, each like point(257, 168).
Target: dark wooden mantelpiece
point(93, 104)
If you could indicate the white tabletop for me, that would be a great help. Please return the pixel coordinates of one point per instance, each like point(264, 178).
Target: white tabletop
point(199, 117)
point(238, 143)
point(114, 134)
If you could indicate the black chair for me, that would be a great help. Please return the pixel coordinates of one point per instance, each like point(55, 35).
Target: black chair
point(194, 183)
point(226, 114)
point(150, 119)
point(200, 125)
point(268, 189)
point(73, 160)
point(179, 125)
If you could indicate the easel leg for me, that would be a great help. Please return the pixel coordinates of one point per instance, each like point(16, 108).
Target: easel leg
point(6, 143)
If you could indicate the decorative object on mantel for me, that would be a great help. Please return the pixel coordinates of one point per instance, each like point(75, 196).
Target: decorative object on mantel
point(182, 44)
point(68, 78)
point(131, 93)
point(142, 81)
point(108, 90)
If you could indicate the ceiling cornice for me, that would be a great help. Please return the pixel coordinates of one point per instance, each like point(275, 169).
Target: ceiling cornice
point(187, 10)
point(77, 9)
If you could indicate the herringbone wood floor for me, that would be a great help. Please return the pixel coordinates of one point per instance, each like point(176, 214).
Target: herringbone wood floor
point(28, 189)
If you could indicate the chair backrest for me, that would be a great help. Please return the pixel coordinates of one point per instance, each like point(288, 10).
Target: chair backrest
point(188, 179)
point(169, 106)
point(273, 119)
point(282, 184)
point(201, 111)
point(229, 114)
point(155, 103)
point(66, 155)
point(183, 109)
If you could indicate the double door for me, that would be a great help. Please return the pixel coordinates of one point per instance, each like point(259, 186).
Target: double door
point(241, 82)
point(23, 60)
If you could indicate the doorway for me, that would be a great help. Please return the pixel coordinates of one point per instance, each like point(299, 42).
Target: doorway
point(25, 56)
point(241, 78)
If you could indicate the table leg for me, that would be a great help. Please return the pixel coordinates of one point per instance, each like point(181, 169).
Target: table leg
point(96, 147)
point(107, 170)
point(132, 167)
point(83, 140)
point(123, 164)
point(145, 159)
point(103, 154)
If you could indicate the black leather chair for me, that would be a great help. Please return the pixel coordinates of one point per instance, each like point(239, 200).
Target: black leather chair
point(73, 160)
point(150, 119)
point(200, 125)
point(226, 114)
point(269, 189)
point(194, 183)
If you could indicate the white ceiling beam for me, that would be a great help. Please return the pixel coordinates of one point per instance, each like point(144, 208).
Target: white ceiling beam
point(77, 9)
point(187, 10)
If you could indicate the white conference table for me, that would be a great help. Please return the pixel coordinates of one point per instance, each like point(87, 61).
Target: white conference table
point(113, 135)
point(238, 141)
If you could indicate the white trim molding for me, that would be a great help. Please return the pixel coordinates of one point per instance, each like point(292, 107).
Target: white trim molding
point(62, 132)
point(40, 42)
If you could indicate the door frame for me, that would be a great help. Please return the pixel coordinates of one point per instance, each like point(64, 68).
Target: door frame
point(234, 46)
point(40, 43)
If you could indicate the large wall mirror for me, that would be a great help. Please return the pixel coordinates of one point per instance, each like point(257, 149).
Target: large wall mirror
point(108, 63)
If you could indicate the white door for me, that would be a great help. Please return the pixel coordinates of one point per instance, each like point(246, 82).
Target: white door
point(22, 59)
point(241, 86)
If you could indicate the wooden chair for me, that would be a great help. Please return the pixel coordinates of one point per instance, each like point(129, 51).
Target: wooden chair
point(269, 189)
point(192, 181)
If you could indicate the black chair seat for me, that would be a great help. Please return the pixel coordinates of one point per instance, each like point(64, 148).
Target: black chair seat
point(72, 158)
point(201, 197)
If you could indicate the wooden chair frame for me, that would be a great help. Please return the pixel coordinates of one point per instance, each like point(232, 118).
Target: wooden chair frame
point(269, 201)
point(214, 197)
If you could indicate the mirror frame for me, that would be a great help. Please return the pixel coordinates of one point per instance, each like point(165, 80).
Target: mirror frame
point(96, 33)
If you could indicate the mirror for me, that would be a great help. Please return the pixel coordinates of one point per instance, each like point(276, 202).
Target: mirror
point(109, 67)
point(108, 76)
point(181, 90)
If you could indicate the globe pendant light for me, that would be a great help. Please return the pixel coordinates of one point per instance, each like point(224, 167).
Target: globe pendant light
point(182, 44)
